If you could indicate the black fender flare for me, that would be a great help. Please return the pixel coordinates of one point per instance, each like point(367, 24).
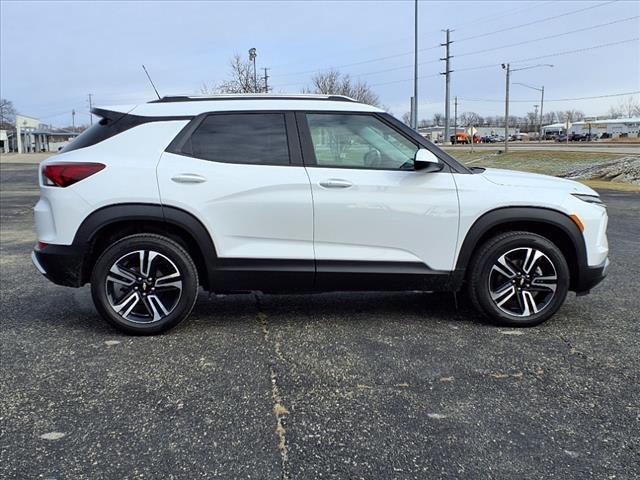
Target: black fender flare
point(140, 212)
point(538, 215)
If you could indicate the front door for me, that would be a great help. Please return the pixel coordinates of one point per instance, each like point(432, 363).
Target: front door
point(373, 213)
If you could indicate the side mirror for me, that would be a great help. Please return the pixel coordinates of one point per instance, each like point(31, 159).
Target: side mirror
point(426, 161)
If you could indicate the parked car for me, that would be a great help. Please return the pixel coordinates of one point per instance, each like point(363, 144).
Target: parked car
point(301, 194)
point(561, 138)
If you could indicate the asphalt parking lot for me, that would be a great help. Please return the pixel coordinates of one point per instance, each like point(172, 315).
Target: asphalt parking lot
point(316, 386)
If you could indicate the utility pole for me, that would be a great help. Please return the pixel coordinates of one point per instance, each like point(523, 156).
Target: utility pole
point(73, 119)
point(455, 120)
point(541, 109)
point(446, 73)
point(266, 80)
point(414, 117)
point(535, 115)
point(507, 67)
point(90, 108)
point(541, 90)
point(252, 57)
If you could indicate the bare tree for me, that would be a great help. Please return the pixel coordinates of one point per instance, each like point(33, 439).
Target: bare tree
point(615, 112)
point(629, 107)
point(549, 118)
point(490, 121)
point(438, 118)
point(469, 118)
point(7, 113)
point(406, 118)
point(241, 81)
point(571, 115)
point(332, 82)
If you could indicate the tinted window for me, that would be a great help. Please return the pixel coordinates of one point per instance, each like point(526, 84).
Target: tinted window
point(105, 128)
point(255, 138)
point(359, 141)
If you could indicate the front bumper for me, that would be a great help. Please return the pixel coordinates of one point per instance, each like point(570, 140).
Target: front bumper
point(60, 263)
point(591, 276)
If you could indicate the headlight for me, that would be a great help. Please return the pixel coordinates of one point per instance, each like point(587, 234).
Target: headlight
point(589, 198)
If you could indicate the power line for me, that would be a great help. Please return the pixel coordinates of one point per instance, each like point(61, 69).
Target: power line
point(387, 57)
point(493, 65)
point(539, 39)
point(486, 19)
point(534, 22)
point(501, 47)
point(586, 49)
point(372, 60)
point(491, 18)
point(496, 100)
point(376, 72)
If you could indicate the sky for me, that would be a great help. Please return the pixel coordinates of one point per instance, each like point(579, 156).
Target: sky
point(53, 54)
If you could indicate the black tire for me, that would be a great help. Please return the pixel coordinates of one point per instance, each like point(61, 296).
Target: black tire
point(483, 276)
point(170, 303)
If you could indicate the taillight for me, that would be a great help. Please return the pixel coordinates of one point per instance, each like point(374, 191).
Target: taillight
point(65, 174)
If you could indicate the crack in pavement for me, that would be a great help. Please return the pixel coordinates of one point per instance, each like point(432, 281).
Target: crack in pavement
point(279, 410)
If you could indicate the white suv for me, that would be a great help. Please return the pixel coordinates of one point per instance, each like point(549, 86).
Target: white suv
point(301, 194)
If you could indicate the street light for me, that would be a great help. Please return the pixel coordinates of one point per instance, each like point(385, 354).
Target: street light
point(507, 68)
point(541, 90)
point(253, 53)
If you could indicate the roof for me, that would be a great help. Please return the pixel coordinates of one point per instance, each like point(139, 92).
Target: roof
point(54, 132)
point(608, 120)
point(194, 105)
point(251, 96)
point(595, 122)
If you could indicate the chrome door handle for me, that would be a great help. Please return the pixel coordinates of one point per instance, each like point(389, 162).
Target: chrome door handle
point(336, 183)
point(188, 178)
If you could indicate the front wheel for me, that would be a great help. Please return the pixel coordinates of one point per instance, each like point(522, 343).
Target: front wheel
point(518, 279)
point(144, 284)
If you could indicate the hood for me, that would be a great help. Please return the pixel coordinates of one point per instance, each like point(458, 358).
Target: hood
point(534, 180)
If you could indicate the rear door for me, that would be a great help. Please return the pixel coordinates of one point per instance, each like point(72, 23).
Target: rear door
point(241, 175)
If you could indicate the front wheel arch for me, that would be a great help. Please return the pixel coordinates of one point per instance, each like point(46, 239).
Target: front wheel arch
point(551, 224)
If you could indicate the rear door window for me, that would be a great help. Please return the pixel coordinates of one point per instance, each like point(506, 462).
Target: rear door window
point(248, 138)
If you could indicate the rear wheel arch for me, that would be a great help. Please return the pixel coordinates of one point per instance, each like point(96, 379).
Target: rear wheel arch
point(110, 224)
point(551, 224)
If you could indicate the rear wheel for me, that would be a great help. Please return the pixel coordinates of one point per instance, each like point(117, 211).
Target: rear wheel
point(144, 284)
point(518, 279)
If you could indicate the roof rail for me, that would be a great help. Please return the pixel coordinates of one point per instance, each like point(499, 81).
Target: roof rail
point(251, 96)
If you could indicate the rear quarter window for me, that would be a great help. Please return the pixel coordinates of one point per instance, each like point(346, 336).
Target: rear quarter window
point(106, 127)
point(111, 124)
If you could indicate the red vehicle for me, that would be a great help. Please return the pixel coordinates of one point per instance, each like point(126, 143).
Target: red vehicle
point(463, 137)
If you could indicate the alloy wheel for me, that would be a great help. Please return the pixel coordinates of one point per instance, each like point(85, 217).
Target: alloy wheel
point(523, 282)
point(143, 286)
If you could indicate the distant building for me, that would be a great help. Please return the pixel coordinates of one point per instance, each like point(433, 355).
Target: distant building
point(4, 142)
point(613, 127)
point(554, 130)
point(31, 136)
point(495, 131)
